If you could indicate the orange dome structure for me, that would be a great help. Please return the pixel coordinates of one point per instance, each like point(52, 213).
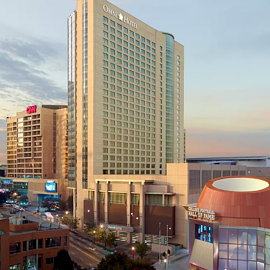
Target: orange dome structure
point(238, 200)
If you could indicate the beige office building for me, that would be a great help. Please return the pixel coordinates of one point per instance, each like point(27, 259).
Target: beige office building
point(37, 143)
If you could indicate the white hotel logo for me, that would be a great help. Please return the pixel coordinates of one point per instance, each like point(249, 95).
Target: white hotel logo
point(120, 16)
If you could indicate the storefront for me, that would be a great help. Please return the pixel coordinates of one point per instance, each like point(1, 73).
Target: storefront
point(37, 190)
point(229, 228)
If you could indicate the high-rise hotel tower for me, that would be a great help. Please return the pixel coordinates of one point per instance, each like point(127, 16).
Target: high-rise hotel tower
point(125, 95)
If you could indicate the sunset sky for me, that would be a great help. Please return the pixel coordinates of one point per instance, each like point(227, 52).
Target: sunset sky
point(227, 65)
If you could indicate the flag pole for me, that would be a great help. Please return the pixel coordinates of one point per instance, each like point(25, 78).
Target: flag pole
point(159, 232)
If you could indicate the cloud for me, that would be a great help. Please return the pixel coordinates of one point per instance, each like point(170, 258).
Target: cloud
point(27, 73)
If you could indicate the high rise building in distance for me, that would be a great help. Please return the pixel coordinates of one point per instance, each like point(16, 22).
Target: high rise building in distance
point(37, 143)
point(125, 95)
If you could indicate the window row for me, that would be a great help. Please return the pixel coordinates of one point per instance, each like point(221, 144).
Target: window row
point(130, 172)
point(133, 61)
point(131, 165)
point(130, 32)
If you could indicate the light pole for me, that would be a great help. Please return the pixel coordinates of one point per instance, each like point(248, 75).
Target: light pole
point(165, 263)
point(133, 252)
point(94, 237)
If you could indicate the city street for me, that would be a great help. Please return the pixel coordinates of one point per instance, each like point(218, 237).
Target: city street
point(83, 252)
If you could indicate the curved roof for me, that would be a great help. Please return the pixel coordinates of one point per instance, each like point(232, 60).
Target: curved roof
point(238, 200)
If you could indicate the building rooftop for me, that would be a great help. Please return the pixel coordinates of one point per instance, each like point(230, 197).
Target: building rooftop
point(228, 158)
point(43, 225)
point(238, 201)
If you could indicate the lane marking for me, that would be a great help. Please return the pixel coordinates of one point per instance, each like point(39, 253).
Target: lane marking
point(81, 259)
point(85, 253)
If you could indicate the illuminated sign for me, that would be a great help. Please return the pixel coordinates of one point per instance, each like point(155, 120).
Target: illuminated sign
point(201, 213)
point(50, 186)
point(120, 17)
point(114, 227)
point(31, 109)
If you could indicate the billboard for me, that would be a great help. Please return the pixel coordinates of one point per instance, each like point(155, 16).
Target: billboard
point(50, 186)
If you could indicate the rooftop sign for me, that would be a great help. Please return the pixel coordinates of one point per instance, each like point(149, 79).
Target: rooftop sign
point(31, 109)
point(120, 16)
point(201, 213)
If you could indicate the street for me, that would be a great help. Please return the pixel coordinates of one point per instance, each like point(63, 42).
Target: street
point(83, 253)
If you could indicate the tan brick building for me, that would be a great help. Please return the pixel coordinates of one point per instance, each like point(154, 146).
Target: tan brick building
point(37, 143)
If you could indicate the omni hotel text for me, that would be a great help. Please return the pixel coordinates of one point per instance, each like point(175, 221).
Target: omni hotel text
point(120, 17)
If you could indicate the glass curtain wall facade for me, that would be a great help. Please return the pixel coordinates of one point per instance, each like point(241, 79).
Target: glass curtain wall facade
point(85, 96)
point(72, 99)
point(169, 97)
point(244, 248)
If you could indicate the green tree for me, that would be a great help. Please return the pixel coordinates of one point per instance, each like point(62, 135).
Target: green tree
point(70, 202)
point(24, 198)
point(90, 227)
point(62, 205)
point(63, 261)
point(46, 204)
point(142, 249)
point(110, 239)
point(70, 221)
point(121, 261)
point(100, 235)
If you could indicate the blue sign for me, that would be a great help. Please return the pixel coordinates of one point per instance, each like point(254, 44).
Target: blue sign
point(50, 186)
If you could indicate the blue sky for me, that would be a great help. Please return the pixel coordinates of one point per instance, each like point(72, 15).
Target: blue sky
point(227, 65)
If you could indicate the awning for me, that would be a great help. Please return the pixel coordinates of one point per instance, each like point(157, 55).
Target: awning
point(202, 254)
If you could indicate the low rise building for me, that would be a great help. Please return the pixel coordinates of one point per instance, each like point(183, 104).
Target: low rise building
point(249, 161)
point(229, 227)
point(29, 242)
point(134, 205)
point(37, 190)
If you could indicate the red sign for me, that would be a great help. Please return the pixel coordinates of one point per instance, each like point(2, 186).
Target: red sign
point(133, 252)
point(31, 109)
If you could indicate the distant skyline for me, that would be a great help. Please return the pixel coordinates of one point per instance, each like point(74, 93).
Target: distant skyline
point(227, 53)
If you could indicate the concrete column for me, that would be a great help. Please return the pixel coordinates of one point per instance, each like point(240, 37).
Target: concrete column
point(36, 262)
point(129, 238)
point(96, 204)
point(128, 203)
point(74, 202)
point(163, 199)
point(106, 203)
point(142, 215)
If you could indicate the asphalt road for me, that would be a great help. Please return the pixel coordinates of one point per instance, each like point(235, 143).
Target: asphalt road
point(83, 253)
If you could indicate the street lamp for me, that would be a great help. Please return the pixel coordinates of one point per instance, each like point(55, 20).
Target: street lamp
point(165, 263)
point(133, 252)
point(94, 236)
point(66, 212)
point(101, 226)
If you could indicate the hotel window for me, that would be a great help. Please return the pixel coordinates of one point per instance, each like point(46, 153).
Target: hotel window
point(105, 19)
point(112, 23)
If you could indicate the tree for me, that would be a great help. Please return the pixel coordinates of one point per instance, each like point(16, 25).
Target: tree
point(46, 204)
point(24, 198)
point(62, 205)
point(70, 221)
point(110, 239)
point(90, 227)
point(63, 261)
point(100, 235)
point(70, 202)
point(141, 249)
point(121, 261)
